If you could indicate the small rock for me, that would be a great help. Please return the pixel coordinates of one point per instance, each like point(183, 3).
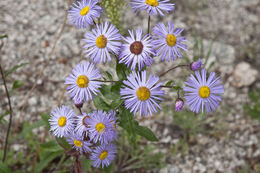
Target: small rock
point(244, 75)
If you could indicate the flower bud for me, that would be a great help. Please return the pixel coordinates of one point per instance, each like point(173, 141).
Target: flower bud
point(196, 65)
point(179, 104)
point(78, 103)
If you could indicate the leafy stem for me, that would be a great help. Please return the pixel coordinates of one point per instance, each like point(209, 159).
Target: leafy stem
point(11, 114)
point(164, 73)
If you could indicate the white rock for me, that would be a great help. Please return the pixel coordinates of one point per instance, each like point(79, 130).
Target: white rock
point(244, 75)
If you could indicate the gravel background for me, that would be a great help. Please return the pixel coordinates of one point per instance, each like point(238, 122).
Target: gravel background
point(32, 27)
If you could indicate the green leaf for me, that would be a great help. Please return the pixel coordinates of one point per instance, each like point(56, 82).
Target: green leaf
point(86, 164)
point(169, 83)
point(14, 68)
point(45, 118)
point(110, 77)
point(145, 132)
point(122, 71)
point(63, 143)
point(51, 146)
point(48, 157)
point(4, 168)
point(29, 128)
point(101, 104)
point(3, 36)
point(17, 84)
point(7, 112)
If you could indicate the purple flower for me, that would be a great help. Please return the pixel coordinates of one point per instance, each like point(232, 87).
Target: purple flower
point(101, 127)
point(154, 7)
point(141, 95)
point(81, 127)
point(167, 42)
point(196, 65)
point(61, 121)
point(84, 13)
point(81, 81)
point(137, 50)
point(201, 91)
point(103, 155)
point(78, 103)
point(78, 143)
point(179, 104)
point(102, 41)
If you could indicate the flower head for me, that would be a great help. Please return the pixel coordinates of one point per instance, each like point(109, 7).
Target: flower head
point(179, 104)
point(61, 121)
point(201, 91)
point(103, 155)
point(196, 65)
point(78, 103)
point(154, 7)
point(78, 143)
point(141, 95)
point(137, 50)
point(81, 127)
point(83, 13)
point(167, 42)
point(81, 81)
point(101, 41)
point(101, 127)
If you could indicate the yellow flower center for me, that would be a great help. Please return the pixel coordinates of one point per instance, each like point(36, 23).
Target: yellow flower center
point(62, 121)
point(100, 127)
point(103, 155)
point(152, 2)
point(82, 81)
point(78, 143)
point(204, 92)
point(84, 11)
point(171, 40)
point(143, 93)
point(101, 41)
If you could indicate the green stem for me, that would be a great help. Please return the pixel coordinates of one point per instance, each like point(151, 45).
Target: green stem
point(11, 114)
point(148, 25)
point(164, 73)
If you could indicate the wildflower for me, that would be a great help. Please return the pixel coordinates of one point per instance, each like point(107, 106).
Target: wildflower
point(103, 155)
point(194, 66)
point(101, 41)
point(101, 127)
point(141, 95)
point(201, 91)
point(81, 127)
point(81, 81)
point(84, 13)
point(179, 104)
point(167, 42)
point(61, 121)
point(153, 7)
point(137, 50)
point(78, 143)
point(78, 103)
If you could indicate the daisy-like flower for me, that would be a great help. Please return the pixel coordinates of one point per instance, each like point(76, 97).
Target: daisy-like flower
point(84, 13)
point(81, 127)
point(61, 121)
point(141, 95)
point(103, 155)
point(137, 50)
point(78, 143)
point(167, 42)
point(101, 41)
point(201, 91)
point(101, 127)
point(81, 81)
point(153, 7)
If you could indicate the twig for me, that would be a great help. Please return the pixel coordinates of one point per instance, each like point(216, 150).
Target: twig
point(11, 114)
point(106, 80)
point(184, 65)
point(148, 25)
point(164, 86)
point(43, 68)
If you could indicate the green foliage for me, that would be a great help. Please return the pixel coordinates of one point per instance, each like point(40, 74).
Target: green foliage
point(15, 68)
point(113, 10)
point(253, 108)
